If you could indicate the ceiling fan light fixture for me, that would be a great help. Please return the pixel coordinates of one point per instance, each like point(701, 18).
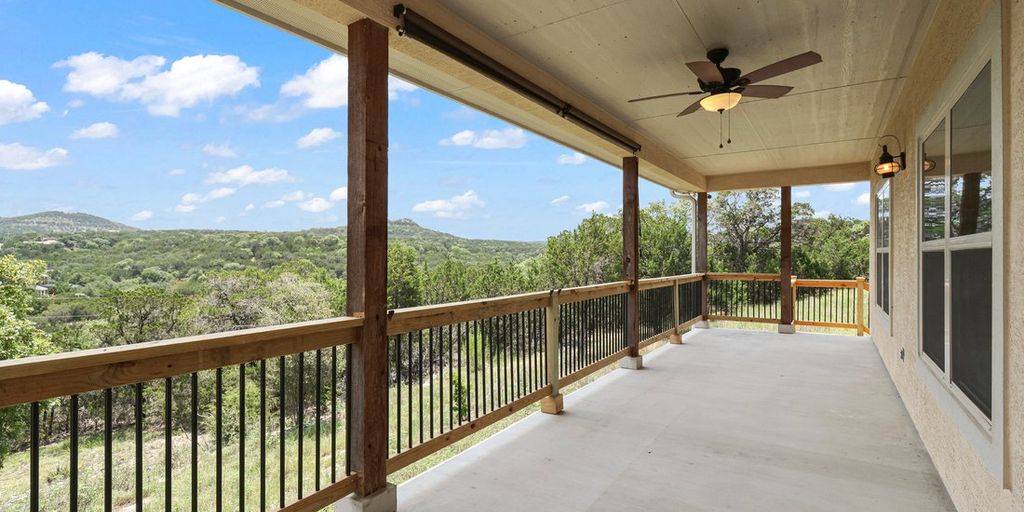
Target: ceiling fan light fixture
point(721, 101)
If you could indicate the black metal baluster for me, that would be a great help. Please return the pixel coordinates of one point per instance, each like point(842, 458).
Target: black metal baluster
point(33, 471)
point(108, 441)
point(451, 383)
point(319, 390)
point(263, 435)
point(419, 347)
point(300, 420)
point(348, 407)
point(430, 362)
point(281, 421)
point(334, 413)
point(396, 346)
point(73, 498)
point(195, 441)
point(219, 413)
point(476, 368)
point(138, 447)
point(408, 371)
point(241, 436)
point(459, 397)
point(168, 444)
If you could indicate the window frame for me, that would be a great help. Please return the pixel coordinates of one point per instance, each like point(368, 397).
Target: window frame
point(885, 284)
point(984, 434)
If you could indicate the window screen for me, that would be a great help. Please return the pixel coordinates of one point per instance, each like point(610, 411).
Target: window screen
point(933, 315)
point(971, 327)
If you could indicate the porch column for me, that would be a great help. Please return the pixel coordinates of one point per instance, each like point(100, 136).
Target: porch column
point(786, 263)
point(701, 256)
point(630, 258)
point(367, 263)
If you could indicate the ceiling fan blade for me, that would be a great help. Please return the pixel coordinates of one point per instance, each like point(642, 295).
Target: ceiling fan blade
point(670, 95)
point(782, 67)
point(706, 71)
point(691, 109)
point(765, 91)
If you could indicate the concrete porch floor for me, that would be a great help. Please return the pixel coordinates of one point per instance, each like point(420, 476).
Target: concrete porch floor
point(732, 420)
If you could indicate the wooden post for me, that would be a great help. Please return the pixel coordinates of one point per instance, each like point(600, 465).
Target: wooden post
point(552, 404)
point(631, 257)
point(367, 250)
point(677, 337)
point(860, 306)
point(786, 262)
point(701, 258)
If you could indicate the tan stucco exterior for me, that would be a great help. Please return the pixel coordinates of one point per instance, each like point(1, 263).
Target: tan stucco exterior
point(971, 483)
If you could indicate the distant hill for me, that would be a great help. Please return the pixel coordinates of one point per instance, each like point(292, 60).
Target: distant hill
point(84, 248)
point(59, 222)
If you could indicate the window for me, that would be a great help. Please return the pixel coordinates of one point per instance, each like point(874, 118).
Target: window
point(956, 244)
point(883, 230)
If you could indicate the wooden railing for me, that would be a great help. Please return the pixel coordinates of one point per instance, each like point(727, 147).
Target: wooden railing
point(454, 369)
point(840, 304)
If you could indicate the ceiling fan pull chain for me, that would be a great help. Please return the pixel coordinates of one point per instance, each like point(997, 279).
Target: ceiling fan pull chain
point(720, 146)
point(729, 140)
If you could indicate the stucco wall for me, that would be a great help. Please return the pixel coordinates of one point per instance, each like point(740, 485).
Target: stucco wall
point(969, 482)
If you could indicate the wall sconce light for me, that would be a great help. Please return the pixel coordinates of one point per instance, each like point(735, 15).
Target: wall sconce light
point(889, 165)
point(928, 165)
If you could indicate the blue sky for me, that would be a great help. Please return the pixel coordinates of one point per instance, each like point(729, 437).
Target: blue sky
point(186, 114)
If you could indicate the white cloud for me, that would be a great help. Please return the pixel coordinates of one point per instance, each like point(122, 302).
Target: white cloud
point(317, 137)
point(802, 193)
point(509, 138)
point(273, 204)
point(298, 195)
point(456, 207)
point(864, 199)
point(191, 200)
point(75, 103)
point(176, 172)
point(591, 208)
point(316, 205)
point(840, 187)
point(24, 158)
point(325, 85)
point(576, 158)
point(220, 220)
point(188, 81)
point(96, 131)
point(17, 103)
point(220, 150)
point(339, 194)
point(143, 215)
point(246, 175)
point(250, 207)
point(823, 214)
point(559, 200)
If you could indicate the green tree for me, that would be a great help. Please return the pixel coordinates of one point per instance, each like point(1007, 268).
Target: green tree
point(405, 276)
point(144, 313)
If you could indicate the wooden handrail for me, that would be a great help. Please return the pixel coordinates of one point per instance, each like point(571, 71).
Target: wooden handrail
point(660, 282)
point(32, 379)
point(742, 276)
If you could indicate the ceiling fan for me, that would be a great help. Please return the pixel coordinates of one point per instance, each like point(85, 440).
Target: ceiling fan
point(726, 86)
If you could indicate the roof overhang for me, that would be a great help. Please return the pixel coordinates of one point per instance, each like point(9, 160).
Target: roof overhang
point(818, 134)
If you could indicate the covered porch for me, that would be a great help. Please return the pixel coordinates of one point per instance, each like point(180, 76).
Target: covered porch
point(729, 420)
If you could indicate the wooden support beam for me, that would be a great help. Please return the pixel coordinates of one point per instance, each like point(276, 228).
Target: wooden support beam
point(786, 261)
point(701, 257)
point(860, 306)
point(368, 249)
point(631, 249)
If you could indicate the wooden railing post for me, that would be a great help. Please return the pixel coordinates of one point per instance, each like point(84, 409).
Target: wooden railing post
point(631, 258)
point(552, 404)
point(786, 264)
point(677, 335)
point(367, 264)
point(860, 306)
point(701, 258)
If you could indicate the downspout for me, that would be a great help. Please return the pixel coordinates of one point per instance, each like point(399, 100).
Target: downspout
point(688, 196)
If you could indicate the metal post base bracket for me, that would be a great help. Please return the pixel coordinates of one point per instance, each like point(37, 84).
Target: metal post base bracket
point(703, 324)
point(675, 339)
point(787, 329)
point(551, 404)
point(632, 363)
point(384, 500)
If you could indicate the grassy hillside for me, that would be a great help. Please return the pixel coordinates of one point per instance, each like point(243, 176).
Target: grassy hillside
point(93, 252)
point(59, 222)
